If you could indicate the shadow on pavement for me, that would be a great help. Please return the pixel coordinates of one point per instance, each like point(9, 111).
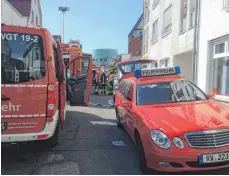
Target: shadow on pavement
point(85, 147)
point(85, 141)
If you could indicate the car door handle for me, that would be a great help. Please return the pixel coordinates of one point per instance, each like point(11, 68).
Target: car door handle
point(5, 98)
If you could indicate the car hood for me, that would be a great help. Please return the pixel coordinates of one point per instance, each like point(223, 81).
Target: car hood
point(175, 119)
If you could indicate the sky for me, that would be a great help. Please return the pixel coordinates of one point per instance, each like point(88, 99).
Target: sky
point(96, 23)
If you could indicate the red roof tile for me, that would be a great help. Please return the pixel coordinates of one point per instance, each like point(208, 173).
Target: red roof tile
point(22, 6)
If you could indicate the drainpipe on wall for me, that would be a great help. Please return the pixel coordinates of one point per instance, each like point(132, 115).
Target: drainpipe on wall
point(142, 42)
point(196, 43)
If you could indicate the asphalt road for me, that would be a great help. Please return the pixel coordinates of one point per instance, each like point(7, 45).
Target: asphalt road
point(85, 147)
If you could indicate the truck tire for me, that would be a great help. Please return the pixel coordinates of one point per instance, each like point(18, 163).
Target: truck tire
point(53, 141)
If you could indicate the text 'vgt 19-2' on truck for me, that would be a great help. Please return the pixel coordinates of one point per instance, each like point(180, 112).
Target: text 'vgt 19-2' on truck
point(33, 87)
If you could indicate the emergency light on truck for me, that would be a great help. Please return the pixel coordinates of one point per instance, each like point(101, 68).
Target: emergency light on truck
point(157, 71)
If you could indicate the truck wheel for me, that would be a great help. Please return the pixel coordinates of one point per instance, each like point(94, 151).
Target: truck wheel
point(53, 141)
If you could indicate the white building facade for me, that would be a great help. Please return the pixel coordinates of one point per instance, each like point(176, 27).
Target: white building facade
point(169, 32)
point(20, 12)
point(213, 52)
point(168, 36)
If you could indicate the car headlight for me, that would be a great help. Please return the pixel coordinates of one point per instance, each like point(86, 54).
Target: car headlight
point(160, 139)
point(178, 142)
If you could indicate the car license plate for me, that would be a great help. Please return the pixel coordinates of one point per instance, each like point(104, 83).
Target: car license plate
point(214, 158)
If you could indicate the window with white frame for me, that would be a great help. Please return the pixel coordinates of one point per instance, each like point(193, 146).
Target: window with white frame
point(146, 39)
point(183, 15)
point(192, 13)
point(220, 67)
point(155, 31)
point(155, 3)
point(167, 21)
point(227, 6)
point(146, 12)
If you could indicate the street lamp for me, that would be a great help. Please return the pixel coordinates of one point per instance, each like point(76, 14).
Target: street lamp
point(63, 10)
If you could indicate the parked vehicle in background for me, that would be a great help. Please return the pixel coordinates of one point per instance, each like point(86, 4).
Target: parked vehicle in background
point(127, 68)
point(33, 86)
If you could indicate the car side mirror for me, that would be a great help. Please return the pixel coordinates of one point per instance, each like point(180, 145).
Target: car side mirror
point(211, 95)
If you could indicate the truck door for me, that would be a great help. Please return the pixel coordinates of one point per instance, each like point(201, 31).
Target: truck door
point(79, 87)
point(24, 79)
point(62, 83)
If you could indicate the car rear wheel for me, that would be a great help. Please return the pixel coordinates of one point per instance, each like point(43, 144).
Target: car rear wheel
point(141, 154)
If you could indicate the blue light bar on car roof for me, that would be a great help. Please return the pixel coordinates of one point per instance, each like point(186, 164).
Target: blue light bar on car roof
point(157, 71)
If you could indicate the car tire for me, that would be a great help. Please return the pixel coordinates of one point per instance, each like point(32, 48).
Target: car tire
point(119, 125)
point(141, 154)
point(53, 141)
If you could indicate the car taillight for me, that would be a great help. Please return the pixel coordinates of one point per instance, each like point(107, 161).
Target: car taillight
point(51, 103)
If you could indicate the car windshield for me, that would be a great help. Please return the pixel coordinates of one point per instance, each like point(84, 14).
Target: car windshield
point(168, 92)
point(22, 58)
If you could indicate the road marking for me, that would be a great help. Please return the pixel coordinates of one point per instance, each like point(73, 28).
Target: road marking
point(93, 104)
point(111, 102)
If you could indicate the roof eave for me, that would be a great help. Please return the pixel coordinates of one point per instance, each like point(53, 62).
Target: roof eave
point(136, 25)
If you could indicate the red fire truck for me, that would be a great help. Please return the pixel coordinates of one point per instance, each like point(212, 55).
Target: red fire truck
point(33, 86)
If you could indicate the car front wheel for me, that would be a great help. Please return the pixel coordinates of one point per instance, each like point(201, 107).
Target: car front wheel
point(141, 154)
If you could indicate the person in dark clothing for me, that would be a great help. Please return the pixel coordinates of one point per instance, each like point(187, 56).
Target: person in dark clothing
point(104, 82)
point(110, 85)
point(97, 80)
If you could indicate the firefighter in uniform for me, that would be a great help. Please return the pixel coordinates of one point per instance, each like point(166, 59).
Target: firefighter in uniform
point(97, 80)
point(103, 80)
point(110, 86)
